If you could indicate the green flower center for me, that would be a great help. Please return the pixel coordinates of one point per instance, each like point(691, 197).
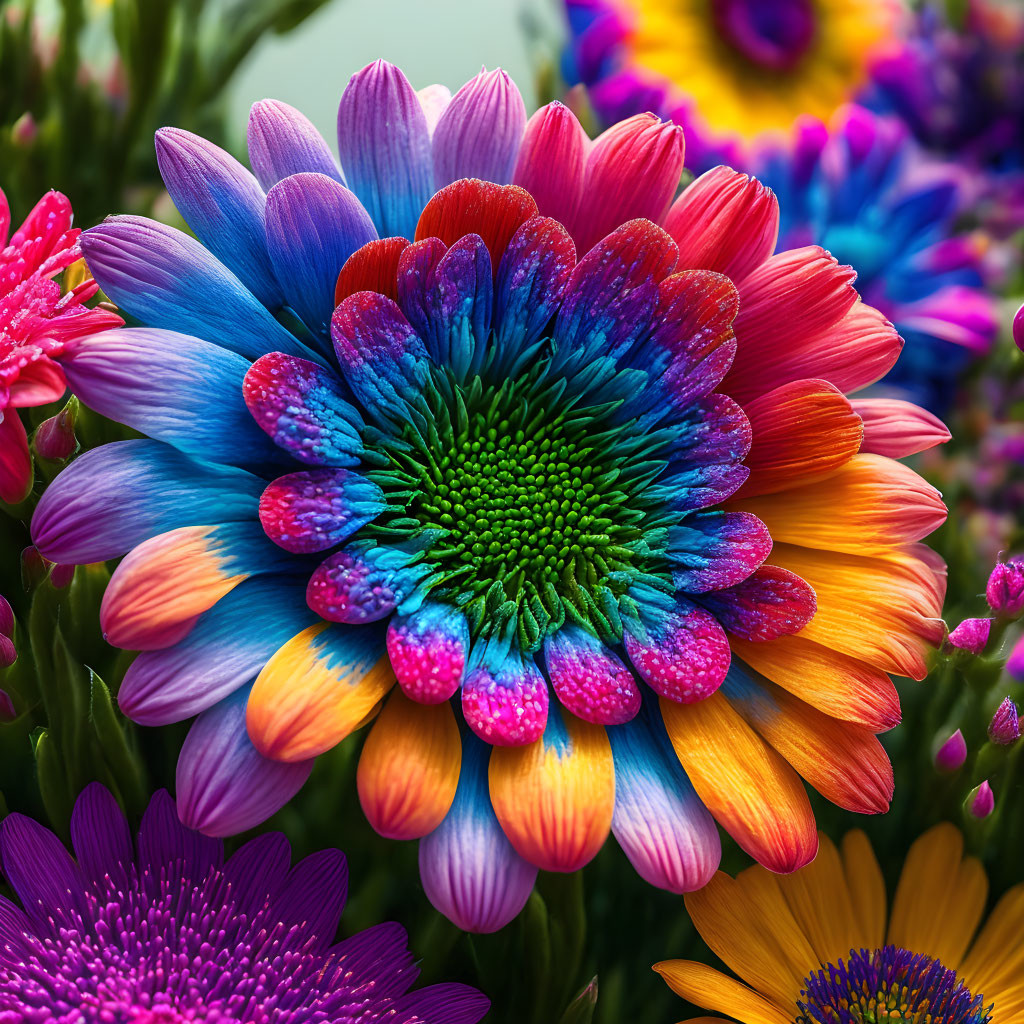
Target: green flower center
point(529, 516)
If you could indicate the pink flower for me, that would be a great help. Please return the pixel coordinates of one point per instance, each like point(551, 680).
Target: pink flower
point(39, 318)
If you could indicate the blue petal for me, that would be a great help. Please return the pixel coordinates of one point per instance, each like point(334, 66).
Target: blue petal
point(223, 204)
point(114, 497)
point(313, 226)
point(166, 279)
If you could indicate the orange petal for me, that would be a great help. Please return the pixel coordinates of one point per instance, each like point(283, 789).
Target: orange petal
point(751, 791)
point(801, 431)
point(834, 683)
point(554, 798)
point(843, 762)
point(704, 986)
point(884, 611)
point(409, 767)
point(319, 687)
point(866, 506)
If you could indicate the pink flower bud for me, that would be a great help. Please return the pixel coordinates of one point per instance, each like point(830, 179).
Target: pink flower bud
point(6, 617)
point(952, 754)
point(7, 712)
point(1015, 662)
point(971, 636)
point(1005, 725)
point(24, 130)
point(61, 576)
point(1018, 328)
point(8, 655)
point(1005, 590)
point(981, 801)
point(55, 437)
point(33, 567)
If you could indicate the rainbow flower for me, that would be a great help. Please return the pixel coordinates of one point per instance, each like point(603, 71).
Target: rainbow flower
point(169, 931)
point(822, 947)
point(861, 190)
point(573, 478)
point(38, 321)
point(729, 71)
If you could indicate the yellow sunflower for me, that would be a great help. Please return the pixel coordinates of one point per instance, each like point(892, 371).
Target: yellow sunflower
point(820, 946)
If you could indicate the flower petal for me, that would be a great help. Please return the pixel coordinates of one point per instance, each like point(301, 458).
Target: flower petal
point(283, 141)
point(316, 689)
point(409, 768)
point(769, 603)
point(114, 497)
point(505, 700)
point(478, 134)
point(224, 785)
point(469, 869)
point(898, 429)
point(100, 835)
point(712, 550)
point(385, 147)
point(554, 798)
point(428, 650)
point(313, 226)
point(168, 280)
point(752, 792)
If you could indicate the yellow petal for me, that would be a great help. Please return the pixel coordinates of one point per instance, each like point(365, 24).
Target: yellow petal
point(867, 889)
point(940, 897)
point(704, 986)
point(995, 964)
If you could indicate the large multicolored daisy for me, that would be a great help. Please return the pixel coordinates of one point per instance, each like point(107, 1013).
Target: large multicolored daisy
point(861, 189)
point(729, 71)
point(166, 931)
point(574, 465)
point(38, 318)
point(821, 946)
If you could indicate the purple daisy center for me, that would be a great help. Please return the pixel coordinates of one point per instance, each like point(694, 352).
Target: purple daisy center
point(772, 35)
point(889, 985)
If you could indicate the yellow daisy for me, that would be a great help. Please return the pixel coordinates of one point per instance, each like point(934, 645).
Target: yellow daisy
point(819, 947)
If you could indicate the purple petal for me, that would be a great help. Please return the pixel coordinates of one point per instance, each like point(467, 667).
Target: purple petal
point(164, 842)
point(313, 226)
point(772, 602)
point(100, 835)
point(301, 406)
point(378, 955)
point(39, 869)
point(441, 1004)
point(224, 650)
point(257, 870)
point(223, 204)
point(712, 550)
point(385, 148)
point(479, 133)
point(470, 871)
point(314, 895)
point(224, 784)
point(382, 357)
point(167, 279)
point(283, 141)
point(358, 584)
point(666, 832)
point(114, 497)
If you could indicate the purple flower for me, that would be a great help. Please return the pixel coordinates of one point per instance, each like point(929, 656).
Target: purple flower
point(971, 635)
point(168, 931)
point(1005, 725)
point(1005, 589)
point(981, 801)
point(952, 754)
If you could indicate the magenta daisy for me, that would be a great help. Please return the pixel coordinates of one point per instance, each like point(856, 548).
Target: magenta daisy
point(165, 931)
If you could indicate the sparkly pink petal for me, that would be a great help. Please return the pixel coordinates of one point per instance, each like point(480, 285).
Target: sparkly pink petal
point(507, 704)
point(428, 650)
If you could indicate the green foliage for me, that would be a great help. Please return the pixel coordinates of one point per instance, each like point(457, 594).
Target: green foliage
point(86, 84)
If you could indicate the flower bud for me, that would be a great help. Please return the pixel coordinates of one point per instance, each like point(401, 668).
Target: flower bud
point(952, 754)
point(24, 130)
point(33, 567)
point(55, 437)
point(1005, 725)
point(6, 617)
point(971, 636)
point(981, 801)
point(1005, 589)
point(61, 576)
point(8, 654)
point(1015, 662)
point(7, 711)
